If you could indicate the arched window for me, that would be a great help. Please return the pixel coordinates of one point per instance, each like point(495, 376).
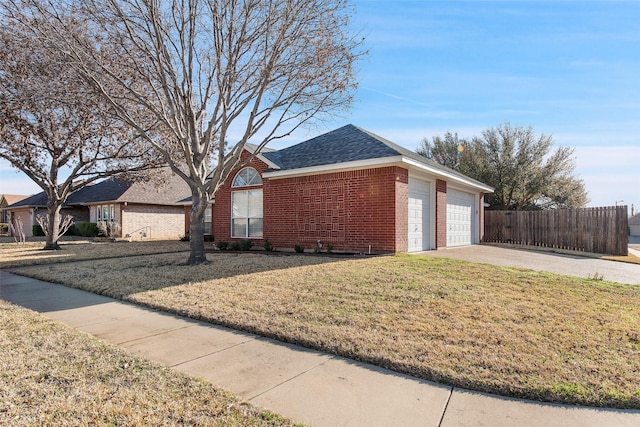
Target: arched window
point(246, 205)
point(247, 177)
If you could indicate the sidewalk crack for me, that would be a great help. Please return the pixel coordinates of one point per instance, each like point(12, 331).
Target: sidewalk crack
point(292, 378)
point(446, 406)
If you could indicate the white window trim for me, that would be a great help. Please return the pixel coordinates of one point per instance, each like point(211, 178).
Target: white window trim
point(247, 217)
point(234, 184)
point(207, 215)
point(238, 189)
point(111, 213)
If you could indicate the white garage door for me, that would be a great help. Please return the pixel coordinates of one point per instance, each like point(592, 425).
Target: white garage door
point(418, 215)
point(460, 218)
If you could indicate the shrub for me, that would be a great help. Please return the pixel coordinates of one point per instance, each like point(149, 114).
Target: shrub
point(108, 228)
point(222, 245)
point(234, 246)
point(4, 228)
point(245, 245)
point(329, 248)
point(268, 246)
point(73, 231)
point(88, 229)
point(185, 238)
point(299, 249)
point(36, 230)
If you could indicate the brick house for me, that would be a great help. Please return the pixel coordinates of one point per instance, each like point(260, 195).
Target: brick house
point(7, 200)
point(353, 190)
point(144, 210)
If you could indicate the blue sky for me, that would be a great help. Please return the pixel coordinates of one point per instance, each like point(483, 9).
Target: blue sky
point(567, 68)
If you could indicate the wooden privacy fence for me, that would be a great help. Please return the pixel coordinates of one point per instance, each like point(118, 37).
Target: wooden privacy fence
point(598, 230)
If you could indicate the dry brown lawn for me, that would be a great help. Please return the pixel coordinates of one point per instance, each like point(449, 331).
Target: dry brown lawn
point(14, 255)
point(503, 330)
point(55, 376)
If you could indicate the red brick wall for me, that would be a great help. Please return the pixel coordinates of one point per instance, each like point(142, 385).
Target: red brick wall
point(349, 210)
point(441, 214)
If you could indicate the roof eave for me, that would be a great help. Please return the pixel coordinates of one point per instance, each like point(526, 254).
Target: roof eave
point(252, 150)
point(11, 207)
point(449, 176)
point(335, 167)
point(379, 162)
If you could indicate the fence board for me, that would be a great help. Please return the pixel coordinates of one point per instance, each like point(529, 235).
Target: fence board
point(599, 230)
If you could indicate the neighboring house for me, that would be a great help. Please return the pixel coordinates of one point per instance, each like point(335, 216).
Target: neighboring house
point(634, 225)
point(144, 210)
point(352, 190)
point(6, 200)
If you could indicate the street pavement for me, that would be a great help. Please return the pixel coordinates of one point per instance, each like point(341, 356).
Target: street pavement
point(308, 386)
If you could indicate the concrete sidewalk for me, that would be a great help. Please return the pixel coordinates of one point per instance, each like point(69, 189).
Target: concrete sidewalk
point(308, 386)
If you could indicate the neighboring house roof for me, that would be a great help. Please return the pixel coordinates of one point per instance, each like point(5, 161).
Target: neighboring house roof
point(350, 144)
point(635, 220)
point(9, 199)
point(114, 190)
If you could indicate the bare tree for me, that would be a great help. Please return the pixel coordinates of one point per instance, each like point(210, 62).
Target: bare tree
point(212, 71)
point(65, 224)
point(17, 231)
point(57, 134)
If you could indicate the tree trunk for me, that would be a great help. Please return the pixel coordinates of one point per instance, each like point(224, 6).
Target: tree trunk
point(196, 229)
point(53, 211)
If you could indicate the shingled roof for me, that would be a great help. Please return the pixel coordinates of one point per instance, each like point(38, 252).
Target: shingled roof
point(9, 199)
point(114, 190)
point(349, 144)
point(346, 144)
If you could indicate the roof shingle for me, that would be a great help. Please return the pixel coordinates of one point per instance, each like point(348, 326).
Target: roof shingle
point(114, 190)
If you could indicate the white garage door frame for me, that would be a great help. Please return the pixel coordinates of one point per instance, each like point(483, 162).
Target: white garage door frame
point(462, 218)
point(420, 216)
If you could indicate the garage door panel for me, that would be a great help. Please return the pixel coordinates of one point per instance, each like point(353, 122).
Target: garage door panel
point(460, 218)
point(418, 224)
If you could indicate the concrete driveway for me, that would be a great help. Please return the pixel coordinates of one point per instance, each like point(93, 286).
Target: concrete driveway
point(613, 271)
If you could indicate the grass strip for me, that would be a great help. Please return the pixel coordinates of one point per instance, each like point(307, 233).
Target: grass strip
point(503, 330)
point(13, 255)
point(53, 375)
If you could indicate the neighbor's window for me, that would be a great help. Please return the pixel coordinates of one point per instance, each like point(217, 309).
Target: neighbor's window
point(246, 205)
point(207, 220)
point(105, 213)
